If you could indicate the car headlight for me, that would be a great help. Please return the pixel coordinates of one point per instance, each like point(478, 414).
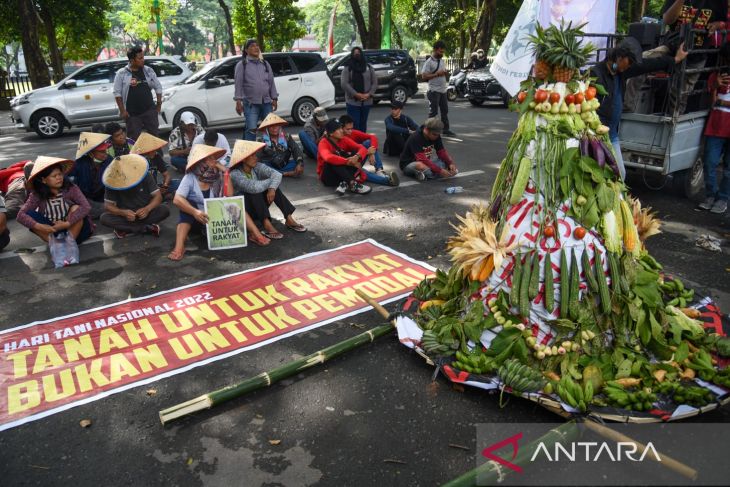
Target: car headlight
point(20, 100)
point(168, 94)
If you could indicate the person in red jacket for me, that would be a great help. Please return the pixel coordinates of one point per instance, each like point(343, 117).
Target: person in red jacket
point(12, 185)
point(339, 161)
point(370, 142)
point(424, 156)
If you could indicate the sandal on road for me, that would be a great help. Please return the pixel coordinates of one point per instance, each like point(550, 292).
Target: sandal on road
point(273, 235)
point(261, 241)
point(297, 228)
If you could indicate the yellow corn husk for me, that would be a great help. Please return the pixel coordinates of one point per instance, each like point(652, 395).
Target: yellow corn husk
point(647, 224)
point(476, 270)
point(630, 234)
point(487, 269)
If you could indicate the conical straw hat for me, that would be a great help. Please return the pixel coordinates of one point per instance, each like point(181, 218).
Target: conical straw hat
point(147, 143)
point(200, 152)
point(242, 149)
point(272, 119)
point(44, 162)
point(125, 172)
point(88, 141)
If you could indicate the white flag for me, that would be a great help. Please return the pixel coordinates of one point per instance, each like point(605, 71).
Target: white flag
point(598, 15)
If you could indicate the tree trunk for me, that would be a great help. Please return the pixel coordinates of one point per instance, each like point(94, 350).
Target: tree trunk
point(375, 9)
point(485, 26)
point(229, 26)
point(53, 50)
point(37, 67)
point(637, 10)
point(259, 25)
point(360, 21)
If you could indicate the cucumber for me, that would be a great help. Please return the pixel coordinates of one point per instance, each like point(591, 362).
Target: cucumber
point(588, 271)
point(549, 293)
point(615, 271)
point(519, 183)
point(514, 295)
point(602, 284)
point(534, 276)
point(574, 286)
point(564, 284)
point(524, 286)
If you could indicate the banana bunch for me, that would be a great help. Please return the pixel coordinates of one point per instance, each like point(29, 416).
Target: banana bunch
point(572, 393)
point(640, 400)
point(521, 377)
point(693, 396)
point(433, 347)
point(474, 363)
point(680, 295)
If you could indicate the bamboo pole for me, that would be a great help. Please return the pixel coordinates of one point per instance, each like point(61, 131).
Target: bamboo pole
point(265, 379)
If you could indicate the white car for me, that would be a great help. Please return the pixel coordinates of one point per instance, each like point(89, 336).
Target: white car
point(85, 97)
point(302, 81)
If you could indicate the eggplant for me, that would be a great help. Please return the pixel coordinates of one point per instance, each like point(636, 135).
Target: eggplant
point(611, 160)
point(494, 207)
point(584, 146)
point(598, 152)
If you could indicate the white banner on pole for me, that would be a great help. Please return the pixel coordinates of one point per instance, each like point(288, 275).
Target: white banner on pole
point(598, 15)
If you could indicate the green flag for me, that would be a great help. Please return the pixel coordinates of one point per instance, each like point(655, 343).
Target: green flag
point(385, 42)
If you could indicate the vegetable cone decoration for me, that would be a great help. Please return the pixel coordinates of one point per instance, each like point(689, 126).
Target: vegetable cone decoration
point(552, 280)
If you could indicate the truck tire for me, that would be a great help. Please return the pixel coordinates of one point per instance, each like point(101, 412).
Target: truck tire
point(47, 124)
point(690, 182)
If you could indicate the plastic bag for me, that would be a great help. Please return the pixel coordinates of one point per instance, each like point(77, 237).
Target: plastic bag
point(64, 250)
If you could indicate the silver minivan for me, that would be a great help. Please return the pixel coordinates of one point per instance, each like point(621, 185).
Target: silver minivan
point(85, 97)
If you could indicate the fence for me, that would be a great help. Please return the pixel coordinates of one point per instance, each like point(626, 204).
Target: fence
point(452, 63)
point(11, 86)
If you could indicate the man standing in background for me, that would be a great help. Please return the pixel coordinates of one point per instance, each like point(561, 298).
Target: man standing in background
point(434, 71)
point(133, 85)
point(256, 94)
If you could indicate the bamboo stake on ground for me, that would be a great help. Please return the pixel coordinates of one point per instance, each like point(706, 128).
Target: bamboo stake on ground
point(265, 379)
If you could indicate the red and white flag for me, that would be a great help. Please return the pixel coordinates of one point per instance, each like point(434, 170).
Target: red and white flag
point(331, 31)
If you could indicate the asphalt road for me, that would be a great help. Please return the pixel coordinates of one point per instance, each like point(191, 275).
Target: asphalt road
point(371, 417)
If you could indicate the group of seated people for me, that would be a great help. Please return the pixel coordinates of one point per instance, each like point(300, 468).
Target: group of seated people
point(116, 180)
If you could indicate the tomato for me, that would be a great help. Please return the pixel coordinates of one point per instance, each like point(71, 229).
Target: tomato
point(554, 97)
point(569, 99)
point(550, 231)
point(579, 98)
point(521, 96)
point(591, 92)
point(541, 96)
point(579, 233)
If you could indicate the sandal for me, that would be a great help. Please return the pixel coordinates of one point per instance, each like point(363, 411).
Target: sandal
point(262, 241)
point(297, 228)
point(273, 235)
point(174, 257)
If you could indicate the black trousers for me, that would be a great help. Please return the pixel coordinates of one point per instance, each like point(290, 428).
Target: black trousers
point(258, 207)
point(333, 175)
point(394, 144)
point(437, 102)
point(157, 214)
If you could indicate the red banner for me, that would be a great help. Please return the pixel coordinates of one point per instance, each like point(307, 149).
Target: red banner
point(54, 365)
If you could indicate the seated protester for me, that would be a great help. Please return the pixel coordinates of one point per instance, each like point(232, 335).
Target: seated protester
point(121, 144)
point(398, 127)
point(91, 160)
point(181, 140)
point(424, 156)
point(203, 179)
point(4, 232)
point(55, 204)
point(150, 147)
point(12, 185)
point(339, 161)
point(370, 142)
point(133, 202)
point(313, 131)
point(259, 185)
point(214, 138)
point(281, 152)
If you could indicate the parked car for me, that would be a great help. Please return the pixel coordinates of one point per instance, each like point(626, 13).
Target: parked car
point(301, 80)
point(394, 68)
point(85, 97)
point(482, 86)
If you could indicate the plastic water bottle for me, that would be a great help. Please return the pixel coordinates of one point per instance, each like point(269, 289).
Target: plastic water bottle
point(453, 189)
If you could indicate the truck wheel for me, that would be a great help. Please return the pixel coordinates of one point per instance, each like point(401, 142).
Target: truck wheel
point(48, 124)
point(690, 182)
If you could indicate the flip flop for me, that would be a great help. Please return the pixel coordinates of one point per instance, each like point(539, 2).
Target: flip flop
point(297, 228)
point(260, 243)
point(273, 235)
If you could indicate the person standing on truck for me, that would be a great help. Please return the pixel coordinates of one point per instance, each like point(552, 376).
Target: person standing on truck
point(623, 62)
point(717, 137)
point(434, 71)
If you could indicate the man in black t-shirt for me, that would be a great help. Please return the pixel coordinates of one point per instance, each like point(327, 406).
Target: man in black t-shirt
point(133, 85)
point(424, 155)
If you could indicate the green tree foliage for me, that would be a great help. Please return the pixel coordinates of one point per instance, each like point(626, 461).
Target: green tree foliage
point(135, 17)
point(318, 21)
point(281, 22)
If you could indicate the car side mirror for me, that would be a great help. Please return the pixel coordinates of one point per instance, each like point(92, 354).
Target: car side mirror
point(212, 82)
point(70, 84)
point(340, 68)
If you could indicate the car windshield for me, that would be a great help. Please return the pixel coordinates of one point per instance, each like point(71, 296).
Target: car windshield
point(203, 72)
point(331, 61)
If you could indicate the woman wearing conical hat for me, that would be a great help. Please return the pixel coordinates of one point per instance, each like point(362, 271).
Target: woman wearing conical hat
point(55, 204)
point(91, 160)
point(149, 146)
point(203, 179)
point(259, 185)
point(281, 152)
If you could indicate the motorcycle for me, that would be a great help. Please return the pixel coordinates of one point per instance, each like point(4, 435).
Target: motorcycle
point(457, 85)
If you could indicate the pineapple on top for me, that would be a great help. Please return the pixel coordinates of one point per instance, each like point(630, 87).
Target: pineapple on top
point(559, 52)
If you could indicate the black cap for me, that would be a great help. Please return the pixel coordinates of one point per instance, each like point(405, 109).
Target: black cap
point(332, 125)
point(396, 104)
point(248, 43)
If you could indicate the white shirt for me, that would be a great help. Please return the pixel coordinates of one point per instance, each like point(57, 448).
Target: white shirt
point(221, 143)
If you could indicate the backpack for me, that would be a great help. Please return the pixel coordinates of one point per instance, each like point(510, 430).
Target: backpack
point(244, 60)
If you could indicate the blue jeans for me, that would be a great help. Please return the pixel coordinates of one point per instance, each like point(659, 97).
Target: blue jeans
point(410, 169)
point(288, 168)
point(253, 113)
point(179, 162)
point(616, 143)
point(714, 147)
point(84, 234)
point(359, 114)
point(378, 160)
point(309, 145)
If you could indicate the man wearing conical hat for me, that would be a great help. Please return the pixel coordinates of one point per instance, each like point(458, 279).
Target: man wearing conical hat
point(150, 147)
point(132, 200)
point(91, 160)
point(281, 153)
